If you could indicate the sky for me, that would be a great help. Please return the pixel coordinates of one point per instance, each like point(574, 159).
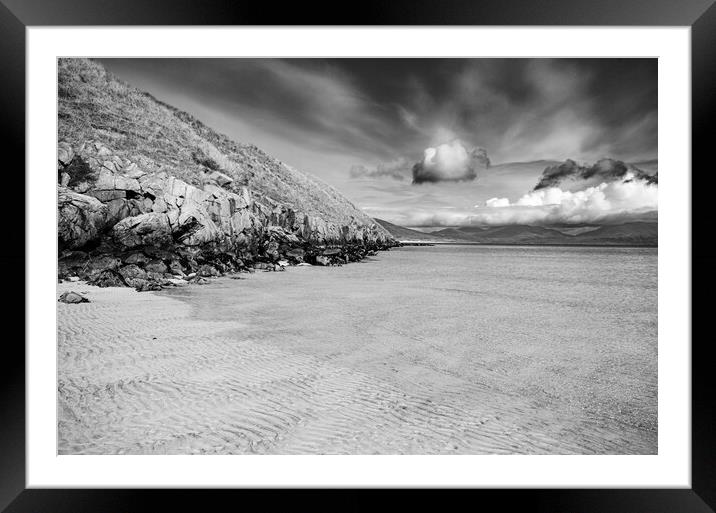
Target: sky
point(435, 142)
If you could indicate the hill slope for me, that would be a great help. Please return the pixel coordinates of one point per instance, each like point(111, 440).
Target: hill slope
point(137, 175)
point(402, 233)
point(626, 234)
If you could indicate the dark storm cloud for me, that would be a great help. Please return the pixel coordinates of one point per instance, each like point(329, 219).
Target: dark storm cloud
point(569, 175)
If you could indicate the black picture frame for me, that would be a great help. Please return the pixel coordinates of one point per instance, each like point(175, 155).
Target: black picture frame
point(17, 15)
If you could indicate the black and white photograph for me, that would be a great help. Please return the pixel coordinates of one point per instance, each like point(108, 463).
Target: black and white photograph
point(357, 256)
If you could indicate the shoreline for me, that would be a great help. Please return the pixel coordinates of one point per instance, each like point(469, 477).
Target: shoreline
point(516, 244)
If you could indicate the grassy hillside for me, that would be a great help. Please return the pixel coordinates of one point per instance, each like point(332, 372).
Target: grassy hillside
point(95, 105)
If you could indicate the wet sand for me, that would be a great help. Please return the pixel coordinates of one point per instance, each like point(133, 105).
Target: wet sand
point(357, 360)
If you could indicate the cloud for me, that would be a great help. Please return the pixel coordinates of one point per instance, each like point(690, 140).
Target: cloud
point(497, 202)
point(396, 170)
point(450, 162)
point(623, 198)
point(579, 177)
point(615, 202)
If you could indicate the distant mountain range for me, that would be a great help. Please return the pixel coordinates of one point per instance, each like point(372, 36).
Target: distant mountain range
point(626, 234)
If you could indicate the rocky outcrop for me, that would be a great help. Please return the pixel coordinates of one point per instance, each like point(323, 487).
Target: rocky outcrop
point(132, 228)
point(80, 218)
point(148, 195)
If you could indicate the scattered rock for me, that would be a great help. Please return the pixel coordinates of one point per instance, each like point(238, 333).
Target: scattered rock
point(156, 266)
point(296, 253)
point(303, 264)
point(176, 268)
point(133, 275)
point(201, 281)
point(190, 275)
point(178, 282)
point(108, 278)
point(147, 286)
point(323, 260)
point(73, 278)
point(332, 251)
point(102, 263)
point(207, 270)
point(136, 257)
point(72, 297)
point(283, 263)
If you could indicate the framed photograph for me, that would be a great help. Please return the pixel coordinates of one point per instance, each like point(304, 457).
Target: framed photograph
point(423, 247)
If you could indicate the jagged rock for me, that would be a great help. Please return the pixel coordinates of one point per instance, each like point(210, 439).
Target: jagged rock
point(176, 267)
point(141, 230)
point(283, 263)
point(220, 178)
point(296, 253)
point(323, 260)
point(147, 286)
point(207, 270)
point(65, 154)
point(133, 275)
point(80, 218)
point(156, 266)
point(72, 297)
point(136, 257)
point(101, 263)
point(159, 253)
point(108, 278)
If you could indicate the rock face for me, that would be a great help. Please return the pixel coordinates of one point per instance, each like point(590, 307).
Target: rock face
point(141, 212)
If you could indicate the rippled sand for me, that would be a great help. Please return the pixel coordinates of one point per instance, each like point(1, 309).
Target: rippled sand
point(353, 360)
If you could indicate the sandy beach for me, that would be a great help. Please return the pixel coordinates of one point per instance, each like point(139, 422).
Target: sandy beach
point(164, 382)
point(291, 363)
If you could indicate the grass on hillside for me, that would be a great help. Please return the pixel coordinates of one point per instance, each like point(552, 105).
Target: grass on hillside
point(95, 105)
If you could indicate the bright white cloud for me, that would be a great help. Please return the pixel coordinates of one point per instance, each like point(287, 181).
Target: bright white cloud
point(607, 202)
point(496, 202)
point(589, 205)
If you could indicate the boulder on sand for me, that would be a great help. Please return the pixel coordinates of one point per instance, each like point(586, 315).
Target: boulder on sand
point(72, 297)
